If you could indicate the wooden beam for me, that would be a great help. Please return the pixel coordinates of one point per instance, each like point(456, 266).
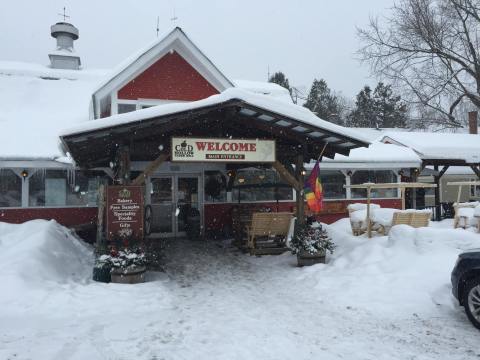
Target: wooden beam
point(286, 175)
point(300, 193)
point(369, 223)
point(476, 170)
point(100, 241)
point(150, 169)
point(443, 171)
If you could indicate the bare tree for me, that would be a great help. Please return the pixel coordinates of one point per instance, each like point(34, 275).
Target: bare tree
point(430, 49)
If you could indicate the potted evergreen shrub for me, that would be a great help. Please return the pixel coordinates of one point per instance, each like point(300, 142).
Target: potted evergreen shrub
point(127, 266)
point(310, 243)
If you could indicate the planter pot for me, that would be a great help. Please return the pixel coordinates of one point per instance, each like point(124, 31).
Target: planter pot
point(306, 259)
point(102, 274)
point(134, 275)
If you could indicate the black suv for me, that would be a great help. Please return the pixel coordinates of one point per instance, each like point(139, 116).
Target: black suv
point(466, 284)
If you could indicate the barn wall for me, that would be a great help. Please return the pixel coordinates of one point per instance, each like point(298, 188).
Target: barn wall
point(170, 78)
point(218, 216)
point(69, 216)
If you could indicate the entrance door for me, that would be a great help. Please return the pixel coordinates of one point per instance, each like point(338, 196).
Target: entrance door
point(172, 198)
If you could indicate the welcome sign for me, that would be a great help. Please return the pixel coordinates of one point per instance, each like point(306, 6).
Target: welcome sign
point(188, 149)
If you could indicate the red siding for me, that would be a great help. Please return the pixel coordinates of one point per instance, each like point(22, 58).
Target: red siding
point(170, 78)
point(219, 215)
point(66, 216)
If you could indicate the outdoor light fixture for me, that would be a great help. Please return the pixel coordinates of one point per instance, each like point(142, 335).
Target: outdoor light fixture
point(304, 172)
point(241, 180)
point(24, 173)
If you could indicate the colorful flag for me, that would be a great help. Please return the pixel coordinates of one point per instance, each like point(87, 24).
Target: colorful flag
point(313, 190)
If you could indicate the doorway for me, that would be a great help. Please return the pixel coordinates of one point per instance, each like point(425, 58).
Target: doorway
point(171, 198)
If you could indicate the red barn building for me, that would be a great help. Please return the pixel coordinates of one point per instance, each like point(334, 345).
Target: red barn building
point(38, 179)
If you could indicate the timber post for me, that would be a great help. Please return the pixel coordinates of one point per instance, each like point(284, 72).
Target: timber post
point(123, 161)
point(299, 191)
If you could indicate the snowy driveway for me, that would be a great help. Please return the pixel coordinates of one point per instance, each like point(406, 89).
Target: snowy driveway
point(216, 303)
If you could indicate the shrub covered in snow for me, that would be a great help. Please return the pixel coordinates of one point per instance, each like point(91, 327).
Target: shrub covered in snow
point(312, 239)
point(125, 259)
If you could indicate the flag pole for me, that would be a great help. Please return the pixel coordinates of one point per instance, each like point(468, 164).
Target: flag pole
point(323, 150)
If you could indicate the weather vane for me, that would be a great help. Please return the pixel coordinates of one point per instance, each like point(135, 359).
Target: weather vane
point(174, 18)
point(65, 16)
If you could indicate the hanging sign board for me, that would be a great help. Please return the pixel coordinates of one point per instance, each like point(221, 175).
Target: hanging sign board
point(125, 213)
point(222, 150)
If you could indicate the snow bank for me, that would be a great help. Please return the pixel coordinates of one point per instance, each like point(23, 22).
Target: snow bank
point(404, 273)
point(40, 252)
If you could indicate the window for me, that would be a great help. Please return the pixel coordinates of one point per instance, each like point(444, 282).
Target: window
point(377, 177)
point(125, 108)
point(332, 184)
point(215, 186)
point(475, 191)
point(10, 189)
point(62, 188)
point(260, 185)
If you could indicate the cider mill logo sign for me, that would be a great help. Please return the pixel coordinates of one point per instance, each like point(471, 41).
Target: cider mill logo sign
point(223, 150)
point(183, 150)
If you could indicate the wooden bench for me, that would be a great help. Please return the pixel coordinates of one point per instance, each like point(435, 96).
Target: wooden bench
point(269, 225)
point(414, 219)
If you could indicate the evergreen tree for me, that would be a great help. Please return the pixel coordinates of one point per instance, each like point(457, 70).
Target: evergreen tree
point(378, 108)
point(323, 102)
point(390, 110)
point(280, 79)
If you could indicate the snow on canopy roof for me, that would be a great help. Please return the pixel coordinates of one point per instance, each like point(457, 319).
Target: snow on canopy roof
point(265, 102)
point(376, 153)
point(442, 146)
point(265, 88)
point(36, 102)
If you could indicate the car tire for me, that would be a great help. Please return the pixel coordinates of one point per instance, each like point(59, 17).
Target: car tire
point(471, 301)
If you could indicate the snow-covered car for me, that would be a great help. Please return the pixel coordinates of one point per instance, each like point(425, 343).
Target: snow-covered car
point(466, 284)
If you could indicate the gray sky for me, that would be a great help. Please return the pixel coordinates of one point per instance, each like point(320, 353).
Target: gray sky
point(304, 39)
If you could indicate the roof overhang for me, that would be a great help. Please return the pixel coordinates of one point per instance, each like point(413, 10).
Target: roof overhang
point(231, 118)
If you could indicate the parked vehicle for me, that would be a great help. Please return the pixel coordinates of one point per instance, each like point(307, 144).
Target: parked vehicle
point(466, 284)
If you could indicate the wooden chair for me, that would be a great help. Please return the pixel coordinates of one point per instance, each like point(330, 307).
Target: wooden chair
point(269, 225)
point(420, 219)
point(359, 227)
point(462, 220)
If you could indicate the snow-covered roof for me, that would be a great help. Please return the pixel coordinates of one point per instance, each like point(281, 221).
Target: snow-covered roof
point(264, 88)
point(377, 156)
point(36, 102)
point(441, 146)
point(264, 102)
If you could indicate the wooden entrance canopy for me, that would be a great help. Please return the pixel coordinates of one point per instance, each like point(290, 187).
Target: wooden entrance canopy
point(145, 135)
point(400, 185)
point(233, 113)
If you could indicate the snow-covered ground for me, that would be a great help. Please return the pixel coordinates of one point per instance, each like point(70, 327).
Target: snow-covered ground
point(384, 298)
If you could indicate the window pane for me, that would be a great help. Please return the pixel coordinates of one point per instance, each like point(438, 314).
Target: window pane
point(125, 108)
point(10, 189)
point(260, 185)
point(377, 177)
point(332, 184)
point(84, 191)
point(215, 186)
point(62, 188)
